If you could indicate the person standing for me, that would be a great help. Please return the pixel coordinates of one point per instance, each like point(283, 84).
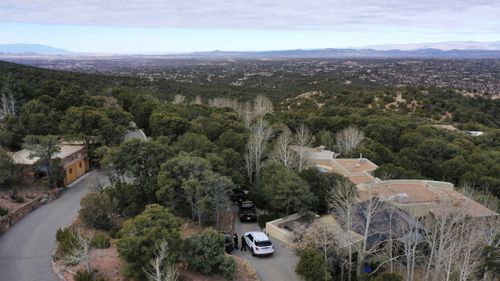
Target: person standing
point(243, 244)
point(235, 239)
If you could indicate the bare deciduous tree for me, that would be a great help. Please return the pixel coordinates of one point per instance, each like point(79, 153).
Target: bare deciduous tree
point(79, 253)
point(489, 231)
point(197, 100)
point(218, 188)
point(303, 139)
point(324, 238)
point(407, 234)
point(246, 113)
point(468, 245)
point(196, 196)
point(97, 184)
point(440, 237)
point(159, 269)
point(365, 223)
point(256, 145)
point(348, 139)
point(7, 103)
point(341, 199)
point(249, 164)
point(179, 99)
point(246, 110)
point(282, 152)
point(261, 106)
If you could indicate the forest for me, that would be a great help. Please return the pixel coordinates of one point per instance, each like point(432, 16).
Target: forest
point(207, 140)
point(398, 122)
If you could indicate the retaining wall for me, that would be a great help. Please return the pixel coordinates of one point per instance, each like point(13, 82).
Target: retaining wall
point(14, 216)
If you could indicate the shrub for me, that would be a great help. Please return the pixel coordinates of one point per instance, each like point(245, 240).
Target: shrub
point(228, 267)
point(83, 275)
point(388, 277)
point(382, 277)
point(140, 235)
point(3, 212)
point(96, 210)
point(311, 266)
point(101, 241)
point(18, 199)
point(264, 218)
point(205, 253)
point(67, 239)
point(113, 231)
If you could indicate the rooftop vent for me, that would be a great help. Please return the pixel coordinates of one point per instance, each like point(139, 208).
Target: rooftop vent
point(400, 197)
point(361, 159)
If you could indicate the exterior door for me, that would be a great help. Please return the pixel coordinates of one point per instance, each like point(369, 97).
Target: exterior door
point(71, 174)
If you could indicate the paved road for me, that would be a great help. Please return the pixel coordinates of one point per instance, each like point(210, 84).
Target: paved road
point(26, 248)
point(279, 267)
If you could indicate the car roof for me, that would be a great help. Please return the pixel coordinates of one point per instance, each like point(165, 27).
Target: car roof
point(258, 235)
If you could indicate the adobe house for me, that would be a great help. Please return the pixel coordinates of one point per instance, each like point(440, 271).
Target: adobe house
point(420, 198)
point(74, 160)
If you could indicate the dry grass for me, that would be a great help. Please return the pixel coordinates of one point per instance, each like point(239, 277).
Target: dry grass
point(27, 191)
point(105, 262)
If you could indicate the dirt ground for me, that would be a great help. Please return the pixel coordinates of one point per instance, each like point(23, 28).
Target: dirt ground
point(27, 191)
point(106, 262)
point(108, 265)
point(245, 272)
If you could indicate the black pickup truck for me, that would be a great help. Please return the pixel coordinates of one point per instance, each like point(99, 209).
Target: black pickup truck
point(238, 196)
point(247, 211)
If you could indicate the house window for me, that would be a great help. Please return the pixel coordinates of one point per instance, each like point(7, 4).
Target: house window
point(80, 164)
point(70, 170)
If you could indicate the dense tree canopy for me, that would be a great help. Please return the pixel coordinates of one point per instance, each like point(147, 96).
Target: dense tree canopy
point(140, 235)
point(283, 191)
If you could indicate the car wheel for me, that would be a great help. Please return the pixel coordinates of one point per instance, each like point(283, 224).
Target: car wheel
point(253, 252)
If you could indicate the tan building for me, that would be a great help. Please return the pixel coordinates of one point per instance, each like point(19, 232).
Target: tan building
point(420, 198)
point(74, 160)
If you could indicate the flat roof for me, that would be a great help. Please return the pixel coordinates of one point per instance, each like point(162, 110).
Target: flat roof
point(462, 202)
point(355, 165)
point(341, 236)
point(402, 192)
point(363, 178)
point(424, 191)
point(22, 156)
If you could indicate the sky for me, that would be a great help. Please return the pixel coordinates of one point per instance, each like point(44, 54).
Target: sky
point(166, 26)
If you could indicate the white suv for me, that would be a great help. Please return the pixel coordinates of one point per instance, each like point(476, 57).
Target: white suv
point(258, 243)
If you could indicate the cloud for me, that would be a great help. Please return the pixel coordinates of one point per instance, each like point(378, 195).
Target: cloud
point(367, 15)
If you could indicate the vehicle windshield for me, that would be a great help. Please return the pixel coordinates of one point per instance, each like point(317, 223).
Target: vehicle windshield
point(263, 243)
point(247, 205)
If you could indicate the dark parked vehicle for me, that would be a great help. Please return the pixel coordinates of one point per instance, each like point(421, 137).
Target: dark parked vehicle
point(247, 211)
point(239, 196)
point(228, 243)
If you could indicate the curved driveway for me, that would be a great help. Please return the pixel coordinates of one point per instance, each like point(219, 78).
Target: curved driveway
point(279, 267)
point(26, 248)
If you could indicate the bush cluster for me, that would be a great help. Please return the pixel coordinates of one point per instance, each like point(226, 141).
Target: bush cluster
point(205, 253)
point(101, 241)
point(66, 238)
point(3, 212)
point(96, 210)
point(312, 266)
point(264, 218)
point(87, 276)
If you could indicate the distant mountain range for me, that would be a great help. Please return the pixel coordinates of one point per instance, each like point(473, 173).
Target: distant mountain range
point(353, 53)
point(32, 49)
point(465, 49)
point(444, 46)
